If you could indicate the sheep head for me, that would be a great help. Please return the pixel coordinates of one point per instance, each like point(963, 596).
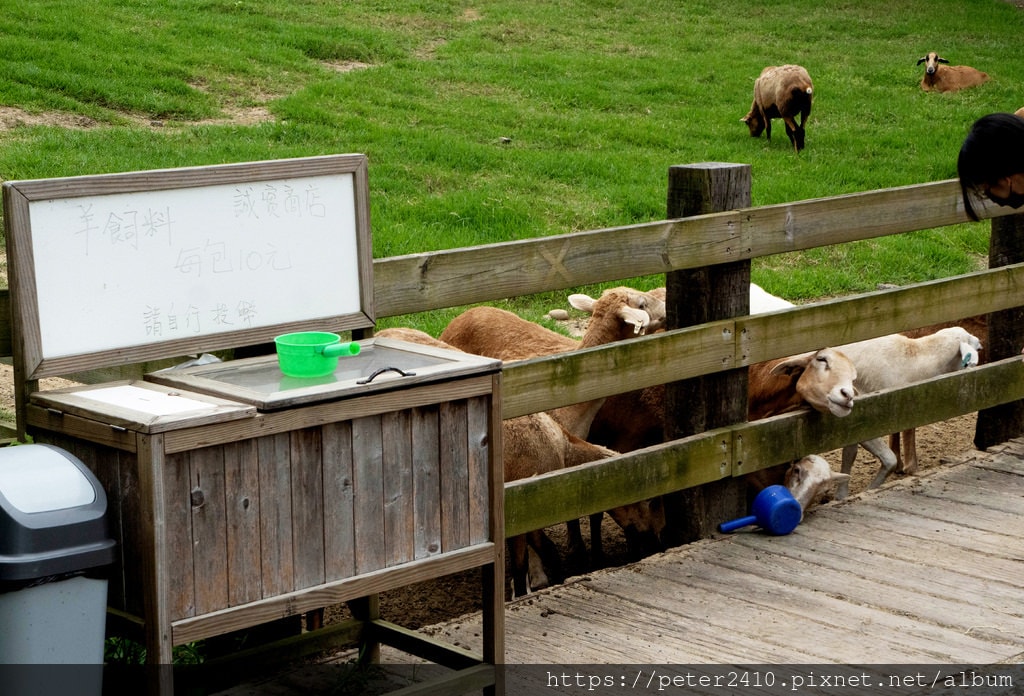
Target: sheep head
point(637, 312)
point(969, 344)
point(931, 62)
point(824, 380)
point(755, 122)
point(811, 478)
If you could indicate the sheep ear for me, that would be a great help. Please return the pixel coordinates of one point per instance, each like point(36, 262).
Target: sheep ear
point(584, 303)
point(637, 317)
point(921, 60)
point(941, 60)
point(792, 366)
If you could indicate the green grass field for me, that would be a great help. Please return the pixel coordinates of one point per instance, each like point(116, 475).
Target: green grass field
point(499, 120)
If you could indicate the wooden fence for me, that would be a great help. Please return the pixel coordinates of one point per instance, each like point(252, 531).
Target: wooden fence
point(699, 251)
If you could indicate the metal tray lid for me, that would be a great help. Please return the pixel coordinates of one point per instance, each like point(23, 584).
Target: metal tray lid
point(138, 406)
point(382, 364)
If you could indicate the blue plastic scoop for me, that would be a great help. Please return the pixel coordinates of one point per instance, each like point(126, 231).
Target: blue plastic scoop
point(775, 510)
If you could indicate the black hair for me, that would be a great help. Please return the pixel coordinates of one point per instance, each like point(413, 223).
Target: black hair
point(992, 150)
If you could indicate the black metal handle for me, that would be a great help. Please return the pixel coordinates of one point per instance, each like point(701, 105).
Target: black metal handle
point(382, 370)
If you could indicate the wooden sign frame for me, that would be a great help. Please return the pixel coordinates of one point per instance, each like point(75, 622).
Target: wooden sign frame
point(327, 298)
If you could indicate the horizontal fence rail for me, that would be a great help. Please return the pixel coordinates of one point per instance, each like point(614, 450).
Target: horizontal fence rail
point(455, 277)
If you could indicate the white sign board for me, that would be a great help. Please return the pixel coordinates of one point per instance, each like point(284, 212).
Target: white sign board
point(109, 268)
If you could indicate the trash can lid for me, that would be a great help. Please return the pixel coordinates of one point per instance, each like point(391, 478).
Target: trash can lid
point(36, 481)
point(52, 515)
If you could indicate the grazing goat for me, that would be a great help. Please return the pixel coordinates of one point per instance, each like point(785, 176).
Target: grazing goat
point(533, 444)
point(894, 361)
point(941, 77)
point(783, 91)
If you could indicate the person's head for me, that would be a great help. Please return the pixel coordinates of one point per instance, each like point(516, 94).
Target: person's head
point(991, 162)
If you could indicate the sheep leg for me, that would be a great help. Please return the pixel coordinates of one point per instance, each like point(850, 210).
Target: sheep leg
point(577, 547)
point(547, 570)
point(894, 445)
point(518, 555)
point(886, 460)
point(795, 133)
point(849, 456)
point(909, 465)
point(596, 544)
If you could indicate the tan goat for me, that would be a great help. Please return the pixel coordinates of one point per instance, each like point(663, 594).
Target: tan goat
point(783, 91)
point(939, 76)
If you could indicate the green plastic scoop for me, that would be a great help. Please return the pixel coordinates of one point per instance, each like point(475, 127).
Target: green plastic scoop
point(311, 353)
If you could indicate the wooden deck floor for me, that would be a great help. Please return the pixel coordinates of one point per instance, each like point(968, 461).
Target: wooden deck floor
point(929, 570)
point(925, 571)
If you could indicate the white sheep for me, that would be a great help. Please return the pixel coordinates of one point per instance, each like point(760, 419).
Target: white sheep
point(896, 360)
point(810, 479)
point(939, 76)
point(906, 461)
point(783, 91)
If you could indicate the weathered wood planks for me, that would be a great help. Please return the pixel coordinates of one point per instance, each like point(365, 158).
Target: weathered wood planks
point(925, 570)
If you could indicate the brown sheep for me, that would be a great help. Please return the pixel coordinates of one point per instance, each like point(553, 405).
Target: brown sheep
point(537, 444)
point(1019, 112)
point(531, 445)
point(941, 77)
point(618, 314)
point(783, 91)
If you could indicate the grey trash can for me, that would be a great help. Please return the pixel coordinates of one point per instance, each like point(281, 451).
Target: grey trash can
point(54, 556)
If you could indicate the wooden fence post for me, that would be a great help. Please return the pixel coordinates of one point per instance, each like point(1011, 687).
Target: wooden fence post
point(1005, 335)
point(696, 296)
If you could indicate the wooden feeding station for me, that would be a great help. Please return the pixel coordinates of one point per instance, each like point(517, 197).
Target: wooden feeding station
point(239, 494)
